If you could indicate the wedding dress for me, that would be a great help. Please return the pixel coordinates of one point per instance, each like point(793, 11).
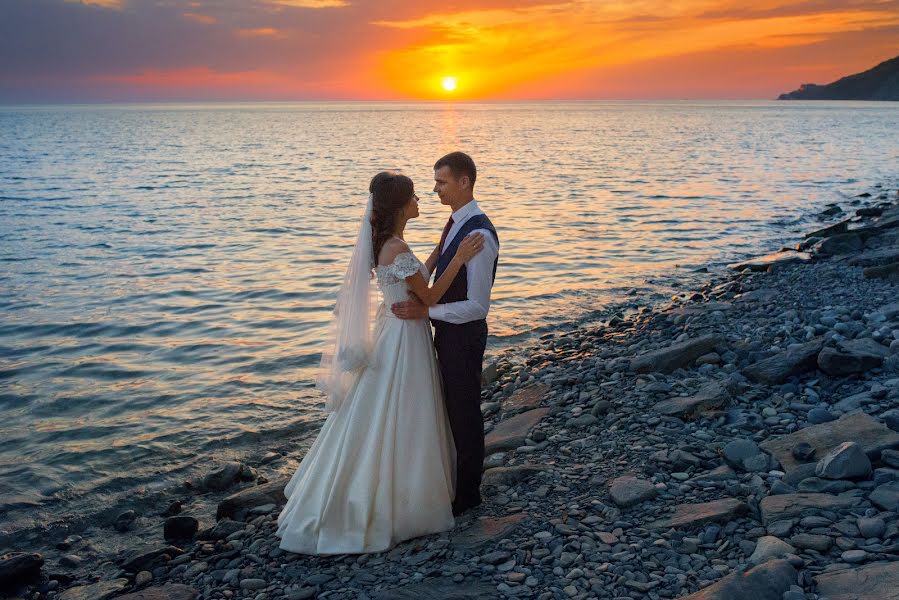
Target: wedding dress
point(382, 469)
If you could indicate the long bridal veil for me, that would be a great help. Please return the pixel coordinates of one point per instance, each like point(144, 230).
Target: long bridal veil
point(348, 348)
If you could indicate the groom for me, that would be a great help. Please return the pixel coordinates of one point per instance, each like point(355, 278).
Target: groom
point(460, 320)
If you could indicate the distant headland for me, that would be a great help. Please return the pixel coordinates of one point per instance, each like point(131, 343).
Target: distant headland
point(878, 83)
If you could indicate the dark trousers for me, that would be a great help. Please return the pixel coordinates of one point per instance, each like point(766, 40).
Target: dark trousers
point(460, 352)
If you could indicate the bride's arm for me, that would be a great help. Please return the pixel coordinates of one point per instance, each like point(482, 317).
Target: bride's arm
point(418, 285)
point(431, 263)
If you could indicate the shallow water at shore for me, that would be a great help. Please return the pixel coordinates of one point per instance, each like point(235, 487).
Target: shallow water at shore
point(168, 270)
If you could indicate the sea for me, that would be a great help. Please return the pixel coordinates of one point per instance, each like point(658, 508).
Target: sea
point(167, 271)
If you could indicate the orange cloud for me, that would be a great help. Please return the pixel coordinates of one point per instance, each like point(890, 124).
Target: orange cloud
point(260, 32)
point(115, 4)
point(311, 3)
point(198, 18)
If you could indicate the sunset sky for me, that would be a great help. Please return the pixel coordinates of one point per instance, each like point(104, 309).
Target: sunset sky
point(199, 50)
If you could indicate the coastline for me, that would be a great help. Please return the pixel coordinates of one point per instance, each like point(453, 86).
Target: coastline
point(598, 445)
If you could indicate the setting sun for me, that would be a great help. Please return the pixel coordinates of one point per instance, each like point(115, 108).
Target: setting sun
point(449, 83)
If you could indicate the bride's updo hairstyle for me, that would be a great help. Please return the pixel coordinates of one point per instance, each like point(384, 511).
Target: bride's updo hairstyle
point(390, 193)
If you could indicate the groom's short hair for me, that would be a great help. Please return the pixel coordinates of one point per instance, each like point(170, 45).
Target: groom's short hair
point(459, 164)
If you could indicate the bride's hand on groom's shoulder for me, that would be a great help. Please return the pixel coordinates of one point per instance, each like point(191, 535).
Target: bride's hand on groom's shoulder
point(411, 309)
point(470, 246)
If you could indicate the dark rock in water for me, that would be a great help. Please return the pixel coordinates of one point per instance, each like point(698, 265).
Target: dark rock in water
point(767, 581)
point(803, 452)
point(780, 367)
point(763, 263)
point(846, 461)
point(510, 475)
point(439, 589)
point(674, 357)
point(17, 568)
point(890, 272)
point(223, 477)
point(628, 490)
point(886, 496)
point(831, 211)
point(869, 211)
point(875, 581)
point(843, 243)
point(512, 432)
point(173, 509)
point(164, 592)
point(869, 433)
point(267, 493)
point(778, 508)
point(710, 396)
point(816, 416)
point(830, 230)
point(143, 560)
point(850, 359)
point(180, 528)
point(124, 521)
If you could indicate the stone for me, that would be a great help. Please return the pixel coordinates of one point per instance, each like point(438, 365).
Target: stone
point(686, 515)
point(223, 477)
point(510, 475)
point(841, 363)
point(96, 591)
point(180, 528)
point(871, 527)
point(874, 581)
point(163, 592)
point(736, 451)
point(783, 365)
point(853, 556)
point(891, 458)
point(267, 493)
point(674, 357)
point(843, 243)
point(875, 258)
point(886, 496)
point(889, 272)
point(710, 396)
point(767, 581)
point(829, 486)
point(763, 263)
point(811, 541)
point(768, 547)
point(777, 508)
point(512, 432)
point(628, 491)
point(819, 415)
point(19, 567)
point(527, 398)
point(867, 432)
point(439, 589)
point(485, 530)
point(830, 230)
point(144, 559)
point(221, 530)
point(489, 374)
point(846, 461)
point(803, 452)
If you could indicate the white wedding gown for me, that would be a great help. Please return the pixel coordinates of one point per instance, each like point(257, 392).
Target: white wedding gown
point(382, 469)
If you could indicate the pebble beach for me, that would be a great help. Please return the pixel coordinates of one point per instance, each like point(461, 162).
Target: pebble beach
point(741, 441)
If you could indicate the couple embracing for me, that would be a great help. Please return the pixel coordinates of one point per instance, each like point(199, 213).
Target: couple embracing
point(402, 451)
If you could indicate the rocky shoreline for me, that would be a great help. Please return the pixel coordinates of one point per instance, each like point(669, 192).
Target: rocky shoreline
point(742, 442)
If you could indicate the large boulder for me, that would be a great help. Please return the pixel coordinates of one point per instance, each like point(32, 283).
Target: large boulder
point(512, 432)
point(843, 243)
point(765, 582)
point(244, 500)
point(846, 461)
point(785, 506)
point(768, 547)
point(875, 581)
point(19, 567)
point(676, 356)
point(783, 365)
point(763, 263)
point(852, 357)
point(886, 496)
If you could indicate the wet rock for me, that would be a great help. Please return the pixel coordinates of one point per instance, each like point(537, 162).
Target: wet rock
point(244, 500)
point(778, 508)
point(180, 528)
point(221, 530)
point(844, 243)
point(796, 360)
point(710, 396)
point(867, 432)
point(875, 581)
point(124, 521)
point(144, 559)
point(628, 490)
point(768, 547)
point(846, 461)
point(768, 581)
point(19, 567)
point(676, 356)
point(512, 432)
point(223, 477)
point(163, 592)
point(763, 263)
point(830, 230)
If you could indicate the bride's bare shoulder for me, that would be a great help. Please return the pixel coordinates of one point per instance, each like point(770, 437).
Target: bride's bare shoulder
point(392, 248)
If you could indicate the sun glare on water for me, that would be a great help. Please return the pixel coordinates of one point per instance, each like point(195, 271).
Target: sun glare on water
point(449, 83)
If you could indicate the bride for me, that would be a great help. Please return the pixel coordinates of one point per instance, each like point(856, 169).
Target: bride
point(382, 468)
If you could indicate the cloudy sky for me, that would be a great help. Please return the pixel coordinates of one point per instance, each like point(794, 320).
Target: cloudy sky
point(198, 50)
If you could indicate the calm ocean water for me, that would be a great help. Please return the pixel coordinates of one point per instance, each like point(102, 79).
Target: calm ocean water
point(166, 271)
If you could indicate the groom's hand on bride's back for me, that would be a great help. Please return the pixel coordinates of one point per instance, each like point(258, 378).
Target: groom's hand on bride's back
point(410, 309)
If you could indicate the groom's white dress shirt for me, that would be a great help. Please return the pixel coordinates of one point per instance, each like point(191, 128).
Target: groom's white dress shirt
point(479, 271)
